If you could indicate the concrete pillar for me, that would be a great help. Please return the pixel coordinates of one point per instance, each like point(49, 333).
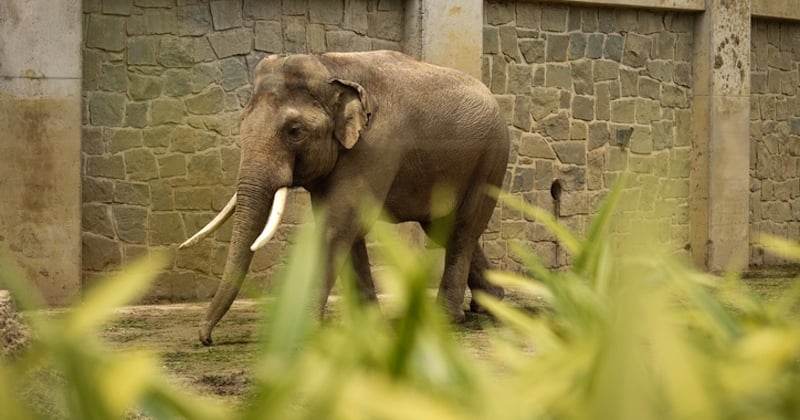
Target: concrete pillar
point(40, 136)
point(720, 181)
point(446, 32)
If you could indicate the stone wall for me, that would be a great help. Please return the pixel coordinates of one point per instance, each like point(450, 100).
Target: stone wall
point(163, 85)
point(775, 134)
point(589, 93)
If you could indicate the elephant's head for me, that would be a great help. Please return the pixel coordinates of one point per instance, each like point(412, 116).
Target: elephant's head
point(298, 120)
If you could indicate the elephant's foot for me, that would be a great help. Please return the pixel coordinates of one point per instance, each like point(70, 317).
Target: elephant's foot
point(205, 333)
point(454, 311)
point(496, 291)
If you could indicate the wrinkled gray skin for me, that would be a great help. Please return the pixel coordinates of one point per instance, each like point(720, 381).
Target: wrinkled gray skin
point(344, 125)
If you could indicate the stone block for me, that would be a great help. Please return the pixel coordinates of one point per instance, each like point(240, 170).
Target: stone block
point(232, 42)
point(616, 159)
point(97, 190)
point(583, 108)
point(577, 46)
point(261, 10)
point(598, 135)
point(161, 196)
point(523, 180)
point(325, 12)
point(142, 50)
point(106, 109)
point(662, 134)
point(623, 111)
point(674, 97)
point(193, 19)
point(172, 165)
point(519, 79)
point(193, 199)
point(268, 36)
point(114, 78)
point(557, 48)
point(161, 21)
point(166, 228)
point(544, 101)
point(355, 16)
point(582, 77)
point(647, 111)
point(96, 218)
point(99, 253)
point(533, 50)
point(641, 141)
point(294, 33)
point(140, 164)
point(535, 146)
point(315, 37)
point(105, 167)
point(614, 47)
point(205, 169)
point(123, 139)
point(144, 87)
point(176, 52)
point(210, 101)
point(133, 193)
point(226, 14)
point(594, 46)
point(167, 110)
point(571, 152)
point(660, 70)
point(506, 103)
point(508, 43)
point(637, 50)
point(522, 115)
point(385, 25)
point(556, 126)
point(606, 70)
point(559, 76)
point(204, 75)
point(92, 141)
point(491, 40)
point(529, 15)
point(554, 18)
point(130, 224)
point(106, 32)
point(499, 73)
point(177, 82)
point(203, 53)
point(649, 88)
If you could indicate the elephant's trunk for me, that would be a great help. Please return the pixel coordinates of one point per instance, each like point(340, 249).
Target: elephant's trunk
point(254, 198)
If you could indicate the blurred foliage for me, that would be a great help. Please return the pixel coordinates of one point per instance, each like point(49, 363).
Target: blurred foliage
point(630, 333)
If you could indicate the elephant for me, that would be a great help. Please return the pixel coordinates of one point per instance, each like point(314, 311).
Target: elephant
point(377, 124)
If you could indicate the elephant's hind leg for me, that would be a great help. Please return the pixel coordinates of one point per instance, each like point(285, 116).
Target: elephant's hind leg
point(477, 280)
point(366, 286)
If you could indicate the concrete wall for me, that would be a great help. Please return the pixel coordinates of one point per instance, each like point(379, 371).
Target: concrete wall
point(40, 142)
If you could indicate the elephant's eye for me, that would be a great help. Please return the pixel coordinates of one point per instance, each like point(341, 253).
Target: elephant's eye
point(295, 132)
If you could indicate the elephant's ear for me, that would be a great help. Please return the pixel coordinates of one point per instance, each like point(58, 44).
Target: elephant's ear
point(352, 113)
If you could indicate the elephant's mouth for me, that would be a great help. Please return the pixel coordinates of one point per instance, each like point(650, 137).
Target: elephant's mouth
point(275, 215)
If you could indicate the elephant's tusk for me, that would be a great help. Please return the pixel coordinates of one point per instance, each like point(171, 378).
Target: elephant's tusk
point(213, 225)
point(278, 205)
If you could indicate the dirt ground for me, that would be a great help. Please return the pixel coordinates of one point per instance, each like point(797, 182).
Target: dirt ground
point(222, 369)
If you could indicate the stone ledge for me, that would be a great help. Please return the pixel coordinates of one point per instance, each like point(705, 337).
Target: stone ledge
point(682, 5)
point(776, 9)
